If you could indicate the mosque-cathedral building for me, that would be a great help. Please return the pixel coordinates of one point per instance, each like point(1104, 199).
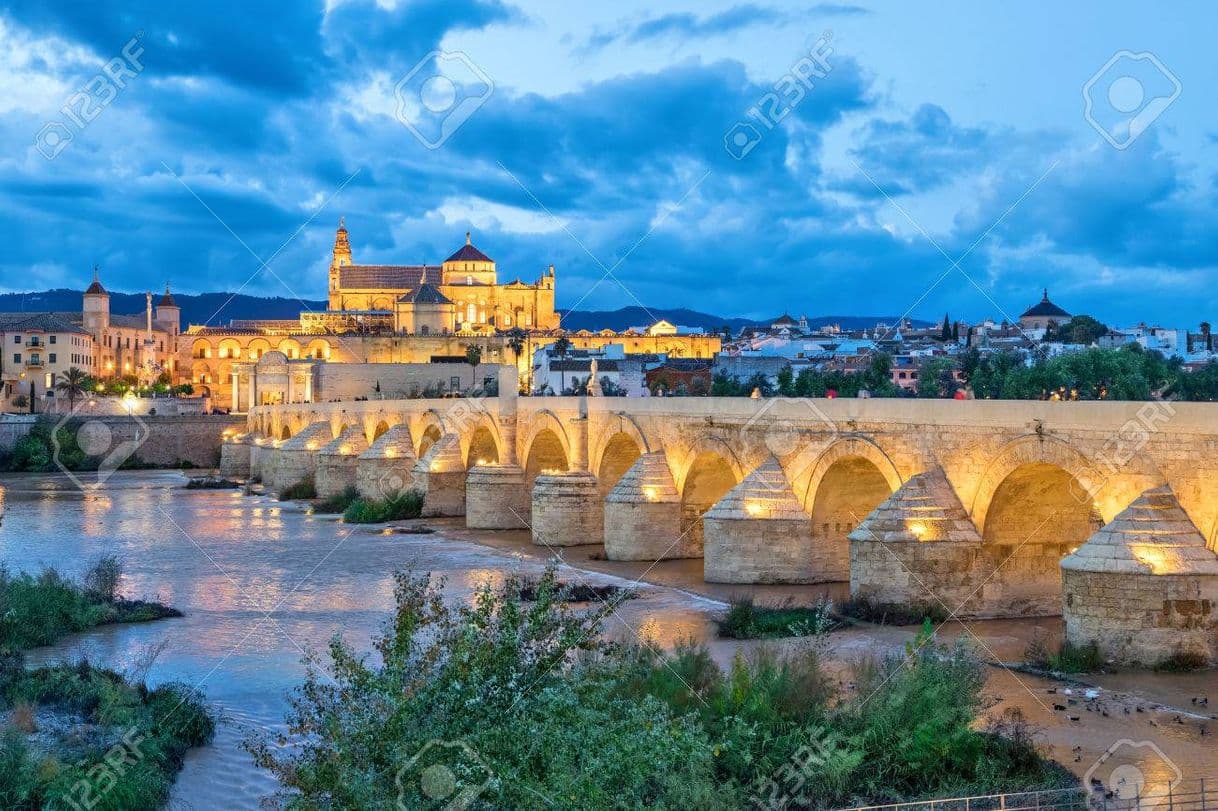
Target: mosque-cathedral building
point(423, 313)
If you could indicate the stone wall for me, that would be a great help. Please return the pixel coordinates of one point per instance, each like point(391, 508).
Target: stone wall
point(169, 440)
point(1143, 619)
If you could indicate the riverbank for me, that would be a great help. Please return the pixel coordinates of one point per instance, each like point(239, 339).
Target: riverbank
point(263, 584)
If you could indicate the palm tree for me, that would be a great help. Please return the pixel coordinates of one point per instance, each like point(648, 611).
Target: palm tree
point(473, 356)
point(72, 385)
point(561, 347)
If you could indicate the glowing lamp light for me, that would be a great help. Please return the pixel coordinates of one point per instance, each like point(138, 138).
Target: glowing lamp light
point(390, 453)
point(482, 462)
point(311, 445)
point(919, 530)
point(129, 402)
point(754, 508)
point(435, 467)
point(651, 493)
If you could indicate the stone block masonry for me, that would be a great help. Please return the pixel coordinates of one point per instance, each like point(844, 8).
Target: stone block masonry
point(171, 440)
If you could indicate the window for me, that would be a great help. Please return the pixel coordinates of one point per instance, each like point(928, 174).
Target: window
point(16, 357)
point(51, 339)
point(17, 339)
point(52, 356)
point(454, 383)
point(469, 280)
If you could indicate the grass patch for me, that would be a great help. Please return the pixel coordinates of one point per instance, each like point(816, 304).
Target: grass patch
point(891, 613)
point(374, 511)
point(338, 503)
point(1068, 658)
point(211, 483)
point(530, 591)
point(83, 737)
point(565, 713)
point(41, 610)
point(746, 620)
point(1183, 662)
point(302, 490)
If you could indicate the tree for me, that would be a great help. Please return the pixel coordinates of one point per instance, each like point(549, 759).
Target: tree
point(786, 381)
point(945, 334)
point(1081, 329)
point(72, 385)
point(561, 347)
point(473, 356)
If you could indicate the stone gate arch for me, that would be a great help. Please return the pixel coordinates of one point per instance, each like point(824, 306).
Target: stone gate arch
point(482, 443)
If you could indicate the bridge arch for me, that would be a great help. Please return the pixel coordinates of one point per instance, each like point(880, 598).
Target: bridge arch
point(546, 446)
point(1036, 449)
point(616, 448)
point(849, 479)
point(710, 469)
point(1036, 503)
point(482, 444)
point(426, 430)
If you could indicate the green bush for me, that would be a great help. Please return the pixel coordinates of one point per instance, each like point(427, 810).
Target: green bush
point(893, 614)
point(536, 709)
point(302, 490)
point(374, 511)
point(147, 733)
point(1069, 658)
point(744, 620)
point(338, 503)
point(40, 610)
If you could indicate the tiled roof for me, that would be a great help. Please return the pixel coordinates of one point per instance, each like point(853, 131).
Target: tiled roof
point(468, 253)
point(426, 294)
point(39, 322)
point(384, 277)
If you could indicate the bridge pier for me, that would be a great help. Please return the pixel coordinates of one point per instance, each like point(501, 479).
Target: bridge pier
point(337, 462)
point(440, 477)
point(235, 455)
point(1144, 587)
point(567, 510)
point(385, 470)
point(643, 514)
point(919, 548)
point(260, 452)
point(760, 533)
point(296, 458)
point(496, 497)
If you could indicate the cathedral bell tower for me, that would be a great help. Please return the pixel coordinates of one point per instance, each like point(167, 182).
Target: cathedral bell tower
point(340, 258)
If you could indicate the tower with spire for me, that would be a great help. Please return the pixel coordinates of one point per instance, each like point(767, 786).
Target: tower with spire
point(340, 257)
point(96, 307)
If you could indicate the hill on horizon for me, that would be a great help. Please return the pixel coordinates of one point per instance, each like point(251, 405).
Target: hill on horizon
point(217, 309)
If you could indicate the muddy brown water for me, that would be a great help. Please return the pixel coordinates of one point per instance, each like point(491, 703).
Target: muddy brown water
point(263, 584)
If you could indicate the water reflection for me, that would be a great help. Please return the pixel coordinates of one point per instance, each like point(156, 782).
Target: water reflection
point(228, 560)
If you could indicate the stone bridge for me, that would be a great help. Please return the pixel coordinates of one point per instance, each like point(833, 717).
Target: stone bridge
point(980, 508)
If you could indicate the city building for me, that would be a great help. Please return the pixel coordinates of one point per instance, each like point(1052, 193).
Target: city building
point(1037, 318)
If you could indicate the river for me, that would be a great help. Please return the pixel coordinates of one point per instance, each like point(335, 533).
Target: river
point(264, 584)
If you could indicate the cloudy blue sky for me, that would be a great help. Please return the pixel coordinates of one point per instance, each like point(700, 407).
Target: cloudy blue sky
point(609, 140)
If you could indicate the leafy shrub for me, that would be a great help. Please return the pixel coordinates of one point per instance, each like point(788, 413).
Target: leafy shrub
point(891, 614)
point(101, 580)
point(150, 730)
point(338, 503)
point(1069, 658)
point(374, 511)
point(540, 710)
point(302, 490)
point(1183, 662)
point(744, 620)
point(40, 610)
